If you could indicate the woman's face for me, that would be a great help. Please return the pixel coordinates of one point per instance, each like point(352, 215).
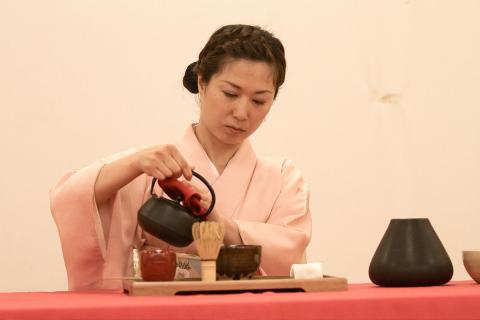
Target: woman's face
point(236, 100)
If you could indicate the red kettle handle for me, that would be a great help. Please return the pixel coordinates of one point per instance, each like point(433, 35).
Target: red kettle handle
point(180, 191)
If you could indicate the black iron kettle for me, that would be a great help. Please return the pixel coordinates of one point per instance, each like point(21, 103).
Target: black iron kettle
point(169, 220)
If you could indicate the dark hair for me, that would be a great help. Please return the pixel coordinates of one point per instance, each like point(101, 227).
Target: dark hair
point(237, 41)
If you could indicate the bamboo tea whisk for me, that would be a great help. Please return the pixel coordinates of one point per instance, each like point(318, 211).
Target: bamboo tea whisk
point(208, 237)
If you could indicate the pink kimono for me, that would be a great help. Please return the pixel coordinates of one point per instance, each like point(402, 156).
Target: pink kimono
point(267, 198)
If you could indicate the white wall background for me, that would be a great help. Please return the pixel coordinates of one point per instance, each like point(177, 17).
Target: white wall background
point(380, 109)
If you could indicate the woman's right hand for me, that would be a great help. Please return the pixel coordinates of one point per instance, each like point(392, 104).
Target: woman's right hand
point(162, 162)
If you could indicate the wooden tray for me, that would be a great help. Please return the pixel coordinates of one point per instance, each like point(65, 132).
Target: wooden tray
point(256, 284)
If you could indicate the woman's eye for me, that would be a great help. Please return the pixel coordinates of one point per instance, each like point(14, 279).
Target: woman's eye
point(229, 94)
point(258, 102)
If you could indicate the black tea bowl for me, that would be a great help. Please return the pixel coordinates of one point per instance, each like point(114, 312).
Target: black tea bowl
point(238, 261)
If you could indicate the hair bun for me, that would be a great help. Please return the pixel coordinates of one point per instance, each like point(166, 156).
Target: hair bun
point(190, 79)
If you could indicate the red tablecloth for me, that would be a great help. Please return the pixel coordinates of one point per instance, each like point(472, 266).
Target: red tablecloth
point(457, 300)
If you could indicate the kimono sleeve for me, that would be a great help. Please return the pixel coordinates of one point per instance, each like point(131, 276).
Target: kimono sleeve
point(286, 233)
point(96, 241)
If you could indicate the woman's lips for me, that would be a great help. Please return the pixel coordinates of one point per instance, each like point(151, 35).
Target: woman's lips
point(235, 130)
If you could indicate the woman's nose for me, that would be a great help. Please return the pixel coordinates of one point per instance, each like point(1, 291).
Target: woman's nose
point(240, 110)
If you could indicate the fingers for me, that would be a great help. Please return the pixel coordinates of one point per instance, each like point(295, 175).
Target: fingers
point(172, 166)
point(205, 204)
point(158, 174)
point(164, 162)
point(164, 169)
point(206, 197)
point(182, 163)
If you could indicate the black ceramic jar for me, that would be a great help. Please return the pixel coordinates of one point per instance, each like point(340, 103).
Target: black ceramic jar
point(410, 254)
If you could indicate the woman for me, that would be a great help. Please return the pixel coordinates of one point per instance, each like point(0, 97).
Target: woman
point(260, 200)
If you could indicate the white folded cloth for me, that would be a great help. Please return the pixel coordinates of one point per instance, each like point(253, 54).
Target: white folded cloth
point(306, 270)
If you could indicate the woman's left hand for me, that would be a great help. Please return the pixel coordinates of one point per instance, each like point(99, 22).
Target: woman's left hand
point(232, 235)
point(206, 197)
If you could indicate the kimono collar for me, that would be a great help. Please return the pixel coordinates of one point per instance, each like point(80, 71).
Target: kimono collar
point(230, 186)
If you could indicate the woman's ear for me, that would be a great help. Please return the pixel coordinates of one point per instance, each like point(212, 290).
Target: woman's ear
point(201, 85)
